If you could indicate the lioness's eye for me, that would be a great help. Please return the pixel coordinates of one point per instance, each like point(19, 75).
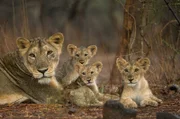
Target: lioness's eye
point(32, 55)
point(85, 54)
point(77, 55)
point(49, 52)
point(83, 73)
point(136, 70)
point(92, 72)
point(126, 70)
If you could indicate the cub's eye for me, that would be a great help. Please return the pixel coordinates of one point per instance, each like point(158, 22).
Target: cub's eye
point(49, 52)
point(85, 54)
point(77, 55)
point(126, 70)
point(83, 73)
point(136, 70)
point(92, 72)
point(32, 55)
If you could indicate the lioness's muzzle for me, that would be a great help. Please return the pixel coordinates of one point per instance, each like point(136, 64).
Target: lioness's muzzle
point(43, 70)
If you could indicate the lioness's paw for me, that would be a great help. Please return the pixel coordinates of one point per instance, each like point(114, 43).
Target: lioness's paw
point(130, 105)
point(148, 102)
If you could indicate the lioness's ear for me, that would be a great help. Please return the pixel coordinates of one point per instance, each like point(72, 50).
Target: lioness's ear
point(144, 63)
point(92, 49)
point(121, 63)
point(22, 43)
point(78, 67)
point(98, 65)
point(71, 49)
point(56, 40)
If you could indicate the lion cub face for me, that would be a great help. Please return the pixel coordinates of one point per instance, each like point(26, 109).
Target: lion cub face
point(132, 72)
point(82, 54)
point(41, 56)
point(89, 73)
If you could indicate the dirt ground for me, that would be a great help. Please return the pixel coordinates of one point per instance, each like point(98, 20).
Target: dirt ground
point(171, 104)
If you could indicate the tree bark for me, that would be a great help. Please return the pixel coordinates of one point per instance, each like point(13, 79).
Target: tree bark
point(125, 37)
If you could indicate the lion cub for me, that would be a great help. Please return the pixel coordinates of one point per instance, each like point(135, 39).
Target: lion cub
point(88, 75)
point(136, 89)
point(80, 55)
point(86, 93)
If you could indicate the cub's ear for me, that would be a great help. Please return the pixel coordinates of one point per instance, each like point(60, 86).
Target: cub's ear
point(22, 43)
point(71, 49)
point(92, 49)
point(98, 65)
point(144, 63)
point(56, 40)
point(121, 63)
point(78, 67)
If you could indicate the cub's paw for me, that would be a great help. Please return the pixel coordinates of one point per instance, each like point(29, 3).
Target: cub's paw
point(99, 103)
point(148, 102)
point(159, 100)
point(130, 105)
point(96, 104)
point(156, 99)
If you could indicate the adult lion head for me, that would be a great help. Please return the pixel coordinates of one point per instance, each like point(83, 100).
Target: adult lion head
point(40, 55)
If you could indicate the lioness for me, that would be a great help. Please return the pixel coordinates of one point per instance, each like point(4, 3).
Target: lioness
point(136, 89)
point(81, 55)
point(30, 71)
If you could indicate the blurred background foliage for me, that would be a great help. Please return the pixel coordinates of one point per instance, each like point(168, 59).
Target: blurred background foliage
point(100, 22)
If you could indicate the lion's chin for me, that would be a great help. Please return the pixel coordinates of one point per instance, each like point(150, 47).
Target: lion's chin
point(44, 80)
point(131, 84)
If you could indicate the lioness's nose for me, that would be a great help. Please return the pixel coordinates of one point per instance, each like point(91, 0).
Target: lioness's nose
point(43, 70)
point(131, 79)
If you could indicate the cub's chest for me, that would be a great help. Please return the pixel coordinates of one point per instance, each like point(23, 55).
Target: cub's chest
point(139, 95)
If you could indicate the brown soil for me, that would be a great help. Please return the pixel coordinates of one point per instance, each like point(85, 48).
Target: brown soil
point(43, 111)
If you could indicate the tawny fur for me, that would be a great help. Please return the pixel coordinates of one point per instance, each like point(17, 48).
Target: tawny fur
point(67, 74)
point(29, 72)
point(88, 94)
point(136, 88)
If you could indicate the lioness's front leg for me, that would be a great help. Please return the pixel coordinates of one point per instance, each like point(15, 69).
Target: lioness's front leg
point(9, 93)
point(55, 83)
point(128, 103)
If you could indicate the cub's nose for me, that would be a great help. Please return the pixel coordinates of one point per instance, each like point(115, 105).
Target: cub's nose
point(81, 61)
point(43, 70)
point(89, 80)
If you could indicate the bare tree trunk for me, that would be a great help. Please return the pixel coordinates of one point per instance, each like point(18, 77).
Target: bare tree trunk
point(143, 24)
point(134, 10)
point(125, 37)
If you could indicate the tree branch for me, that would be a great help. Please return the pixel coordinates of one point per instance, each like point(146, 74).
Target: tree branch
point(170, 8)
